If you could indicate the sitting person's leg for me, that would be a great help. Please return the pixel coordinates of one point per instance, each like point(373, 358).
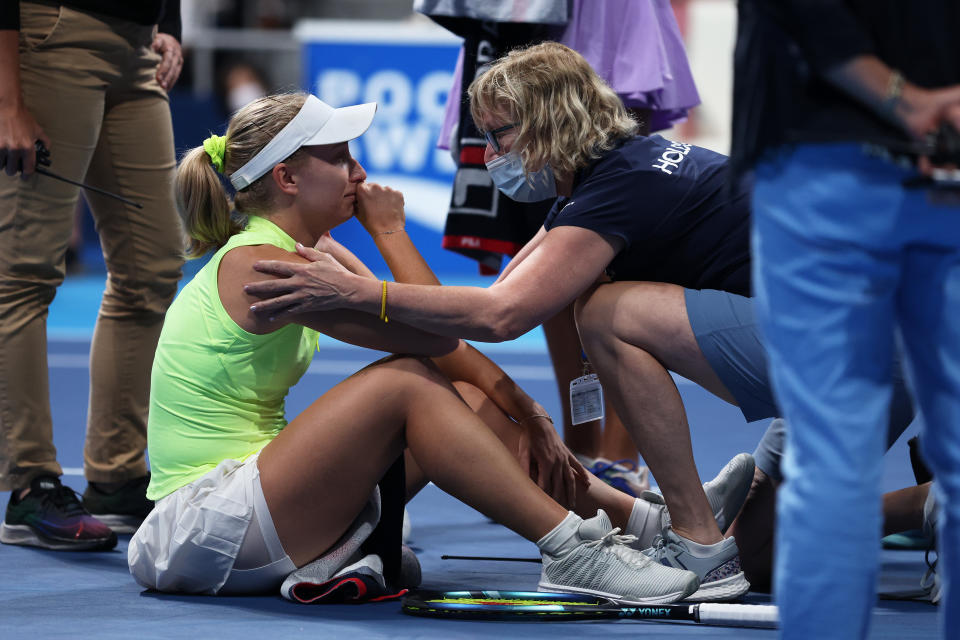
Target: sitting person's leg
point(645, 523)
point(644, 517)
point(332, 455)
point(320, 470)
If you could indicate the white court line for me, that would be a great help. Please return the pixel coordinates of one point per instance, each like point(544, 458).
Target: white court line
point(73, 471)
point(532, 373)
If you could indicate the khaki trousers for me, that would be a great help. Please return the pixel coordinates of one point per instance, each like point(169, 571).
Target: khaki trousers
point(89, 82)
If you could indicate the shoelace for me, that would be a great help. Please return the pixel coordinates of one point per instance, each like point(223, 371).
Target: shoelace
point(660, 545)
point(929, 579)
point(617, 544)
point(64, 499)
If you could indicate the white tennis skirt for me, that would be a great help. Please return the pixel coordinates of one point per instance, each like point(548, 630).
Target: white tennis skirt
point(190, 541)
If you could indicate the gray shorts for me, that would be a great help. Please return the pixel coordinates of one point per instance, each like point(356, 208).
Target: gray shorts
point(726, 331)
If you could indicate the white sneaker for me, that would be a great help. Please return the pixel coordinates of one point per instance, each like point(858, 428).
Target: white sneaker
point(725, 493)
point(595, 560)
point(717, 565)
point(728, 490)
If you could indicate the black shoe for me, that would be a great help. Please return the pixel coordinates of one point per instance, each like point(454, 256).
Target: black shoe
point(51, 517)
point(124, 509)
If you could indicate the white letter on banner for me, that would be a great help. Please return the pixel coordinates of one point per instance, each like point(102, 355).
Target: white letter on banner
point(398, 143)
point(417, 143)
point(442, 161)
point(380, 151)
point(392, 91)
point(338, 87)
point(432, 93)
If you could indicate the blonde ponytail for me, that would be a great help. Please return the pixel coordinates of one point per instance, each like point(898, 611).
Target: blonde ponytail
point(203, 204)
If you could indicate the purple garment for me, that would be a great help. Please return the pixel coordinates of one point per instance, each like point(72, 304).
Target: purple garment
point(451, 113)
point(635, 45)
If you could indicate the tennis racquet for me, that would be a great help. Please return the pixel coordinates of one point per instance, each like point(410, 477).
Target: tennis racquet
point(556, 607)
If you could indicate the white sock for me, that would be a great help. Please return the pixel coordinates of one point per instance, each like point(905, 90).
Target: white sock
point(561, 537)
point(644, 522)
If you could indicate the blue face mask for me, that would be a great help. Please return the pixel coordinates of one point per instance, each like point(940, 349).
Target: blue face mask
point(506, 172)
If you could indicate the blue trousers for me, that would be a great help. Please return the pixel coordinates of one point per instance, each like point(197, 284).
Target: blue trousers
point(844, 257)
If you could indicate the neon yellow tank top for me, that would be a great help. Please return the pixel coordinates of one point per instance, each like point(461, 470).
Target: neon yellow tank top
point(217, 392)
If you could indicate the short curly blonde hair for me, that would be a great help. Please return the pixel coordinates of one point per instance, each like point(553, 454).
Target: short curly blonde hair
point(567, 114)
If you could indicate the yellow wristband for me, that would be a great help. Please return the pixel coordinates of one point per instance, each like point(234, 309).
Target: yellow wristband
point(383, 303)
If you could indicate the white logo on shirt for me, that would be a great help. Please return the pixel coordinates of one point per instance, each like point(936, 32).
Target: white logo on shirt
point(672, 157)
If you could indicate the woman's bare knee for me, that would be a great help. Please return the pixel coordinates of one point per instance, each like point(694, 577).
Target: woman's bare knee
point(648, 315)
point(622, 310)
point(593, 311)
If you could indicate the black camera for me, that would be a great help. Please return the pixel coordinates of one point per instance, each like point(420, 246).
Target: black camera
point(43, 154)
point(944, 145)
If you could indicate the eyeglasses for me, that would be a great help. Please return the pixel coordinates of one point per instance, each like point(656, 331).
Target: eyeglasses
point(492, 136)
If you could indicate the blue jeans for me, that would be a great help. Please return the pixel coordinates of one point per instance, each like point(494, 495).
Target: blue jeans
point(845, 256)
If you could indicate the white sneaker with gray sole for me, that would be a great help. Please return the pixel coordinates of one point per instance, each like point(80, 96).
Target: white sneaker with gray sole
point(598, 562)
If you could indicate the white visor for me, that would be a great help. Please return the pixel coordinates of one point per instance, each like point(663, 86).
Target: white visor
point(316, 123)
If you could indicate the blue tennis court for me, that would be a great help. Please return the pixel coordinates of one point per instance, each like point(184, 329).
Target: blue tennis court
point(55, 594)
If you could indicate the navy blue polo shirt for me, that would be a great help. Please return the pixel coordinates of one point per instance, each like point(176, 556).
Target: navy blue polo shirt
point(674, 207)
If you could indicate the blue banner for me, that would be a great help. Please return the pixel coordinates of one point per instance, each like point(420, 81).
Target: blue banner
point(407, 69)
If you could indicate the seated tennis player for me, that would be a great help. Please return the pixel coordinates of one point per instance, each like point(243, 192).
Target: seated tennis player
point(243, 497)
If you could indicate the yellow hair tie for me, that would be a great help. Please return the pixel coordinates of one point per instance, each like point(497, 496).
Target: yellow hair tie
point(216, 148)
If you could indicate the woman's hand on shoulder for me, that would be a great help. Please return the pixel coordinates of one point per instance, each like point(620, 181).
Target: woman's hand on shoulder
point(285, 284)
point(379, 209)
point(236, 271)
